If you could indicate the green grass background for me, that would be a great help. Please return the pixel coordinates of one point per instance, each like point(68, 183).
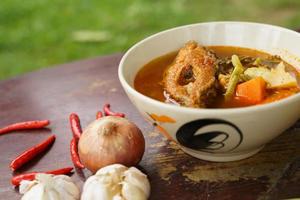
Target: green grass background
point(39, 33)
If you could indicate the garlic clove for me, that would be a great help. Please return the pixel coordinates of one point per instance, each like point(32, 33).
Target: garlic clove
point(112, 169)
point(26, 185)
point(95, 189)
point(35, 193)
point(65, 187)
point(114, 172)
point(131, 192)
point(51, 194)
point(118, 197)
point(138, 179)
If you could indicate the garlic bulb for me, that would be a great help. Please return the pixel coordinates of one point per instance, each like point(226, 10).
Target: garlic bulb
point(49, 187)
point(117, 182)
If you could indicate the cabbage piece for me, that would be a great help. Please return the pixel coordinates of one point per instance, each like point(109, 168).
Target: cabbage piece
point(276, 77)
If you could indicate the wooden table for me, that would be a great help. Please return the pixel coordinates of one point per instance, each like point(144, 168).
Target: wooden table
point(83, 87)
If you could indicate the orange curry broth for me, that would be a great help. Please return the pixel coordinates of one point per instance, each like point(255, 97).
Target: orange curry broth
point(148, 80)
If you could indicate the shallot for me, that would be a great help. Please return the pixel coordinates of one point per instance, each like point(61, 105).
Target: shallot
point(111, 140)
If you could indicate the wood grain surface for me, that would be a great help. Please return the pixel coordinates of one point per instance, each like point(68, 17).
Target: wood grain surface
point(83, 87)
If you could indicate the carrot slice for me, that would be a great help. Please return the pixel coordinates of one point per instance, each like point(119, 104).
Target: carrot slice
point(252, 91)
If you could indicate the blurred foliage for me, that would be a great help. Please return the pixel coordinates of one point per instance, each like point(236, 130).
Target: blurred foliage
point(40, 33)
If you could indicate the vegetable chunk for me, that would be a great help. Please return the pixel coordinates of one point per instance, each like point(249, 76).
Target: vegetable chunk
point(234, 77)
point(276, 77)
point(252, 91)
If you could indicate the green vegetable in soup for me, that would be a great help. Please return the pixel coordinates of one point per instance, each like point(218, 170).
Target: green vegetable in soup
point(234, 77)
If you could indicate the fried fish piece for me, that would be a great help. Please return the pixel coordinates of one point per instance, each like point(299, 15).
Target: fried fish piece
point(190, 80)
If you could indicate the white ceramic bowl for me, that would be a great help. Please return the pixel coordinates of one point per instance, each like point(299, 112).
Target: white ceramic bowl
point(216, 134)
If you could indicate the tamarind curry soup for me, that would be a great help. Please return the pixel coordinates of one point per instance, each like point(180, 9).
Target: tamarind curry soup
point(221, 90)
point(217, 77)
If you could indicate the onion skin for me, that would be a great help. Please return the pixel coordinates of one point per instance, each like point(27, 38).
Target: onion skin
point(110, 140)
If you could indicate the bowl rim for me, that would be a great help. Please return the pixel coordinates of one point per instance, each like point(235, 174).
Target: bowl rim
point(261, 107)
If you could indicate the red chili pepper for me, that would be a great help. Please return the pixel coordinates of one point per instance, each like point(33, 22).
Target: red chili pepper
point(99, 115)
point(75, 126)
point(108, 112)
point(16, 180)
point(30, 153)
point(74, 154)
point(24, 125)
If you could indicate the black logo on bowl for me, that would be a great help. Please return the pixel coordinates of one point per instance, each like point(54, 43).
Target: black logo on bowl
point(211, 135)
